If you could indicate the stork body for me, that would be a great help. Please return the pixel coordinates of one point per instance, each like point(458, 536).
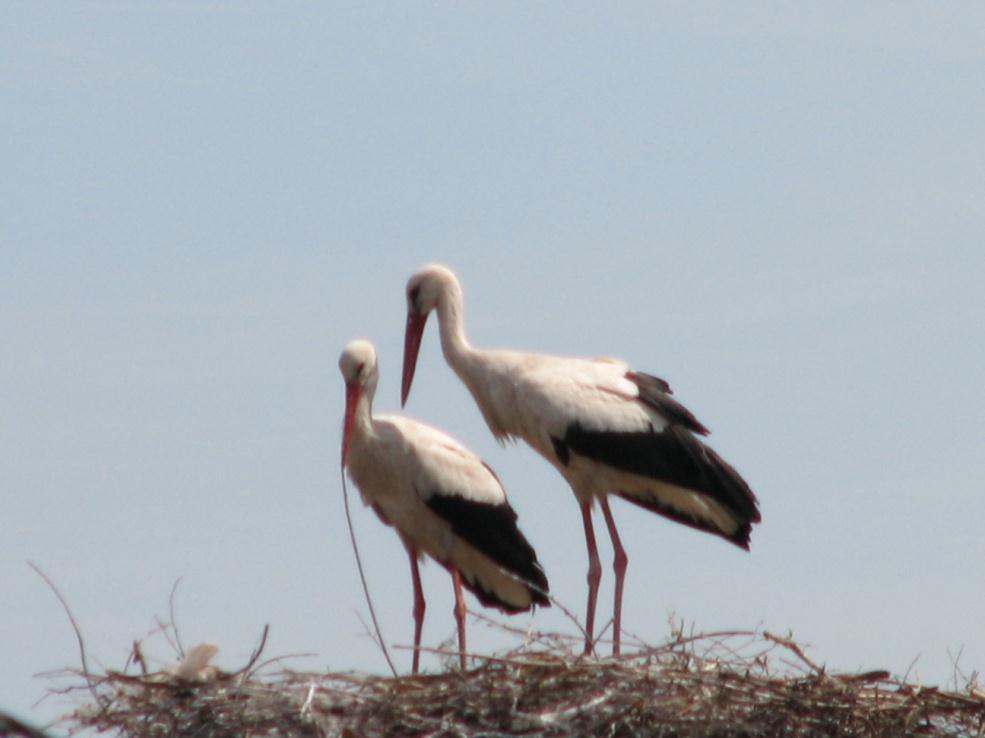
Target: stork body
point(605, 428)
point(442, 500)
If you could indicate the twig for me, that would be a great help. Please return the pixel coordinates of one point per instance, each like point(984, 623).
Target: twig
point(306, 707)
point(245, 671)
point(174, 622)
point(165, 629)
point(909, 668)
point(75, 627)
point(548, 718)
point(679, 640)
point(277, 659)
point(792, 646)
point(362, 575)
point(138, 657)
point(551, 598)
point(453, 653)
point(524, 632)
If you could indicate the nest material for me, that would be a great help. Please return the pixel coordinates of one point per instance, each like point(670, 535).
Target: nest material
point(724, 685)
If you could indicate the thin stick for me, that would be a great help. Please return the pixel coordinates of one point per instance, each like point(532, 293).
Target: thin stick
point(245, 671)
point(795, 648)
point(551, 598)
point(165, 629)
point(75, 627)
point(137, 655)
point(306, 707)
point(362, 575)
point(536, 636)
point(174, 623)
point(472, 655)
point(277, 659)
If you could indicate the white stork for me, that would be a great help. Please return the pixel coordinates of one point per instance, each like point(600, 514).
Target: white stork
point(443, 500)
point(607, 429)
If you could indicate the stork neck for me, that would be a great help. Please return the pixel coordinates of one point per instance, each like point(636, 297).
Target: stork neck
point(363, 417)
point(454, 345)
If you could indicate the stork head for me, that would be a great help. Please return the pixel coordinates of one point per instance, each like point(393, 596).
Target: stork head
point(358, 366)
point(427, 289)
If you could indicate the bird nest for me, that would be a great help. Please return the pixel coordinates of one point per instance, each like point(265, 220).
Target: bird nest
point(712, 684)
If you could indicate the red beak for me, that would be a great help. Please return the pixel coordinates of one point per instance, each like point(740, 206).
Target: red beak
point(352, 394)
point(412, 344)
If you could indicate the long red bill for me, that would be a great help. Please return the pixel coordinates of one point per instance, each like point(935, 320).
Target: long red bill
point(412, 344)
point(352, 392)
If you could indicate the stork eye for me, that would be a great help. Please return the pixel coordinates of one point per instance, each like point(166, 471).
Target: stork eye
point(413, 293)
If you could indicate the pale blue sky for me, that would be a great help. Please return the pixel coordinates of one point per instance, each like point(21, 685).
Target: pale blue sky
point(778, 208)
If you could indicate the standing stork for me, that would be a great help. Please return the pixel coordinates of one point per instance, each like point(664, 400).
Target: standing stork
point(607, 429)
point(442, 499)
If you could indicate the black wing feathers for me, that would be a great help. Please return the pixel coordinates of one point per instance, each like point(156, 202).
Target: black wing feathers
point(673, 456)
point(740, 537)
point(491, 528)
point(656, 393)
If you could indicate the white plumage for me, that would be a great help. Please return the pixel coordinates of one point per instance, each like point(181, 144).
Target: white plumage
point(441, 498)
point(607, 430)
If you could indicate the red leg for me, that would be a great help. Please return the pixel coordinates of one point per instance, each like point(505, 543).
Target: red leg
point(419, 605)
point(456, 579)
point(594, 575)
point(619, 564)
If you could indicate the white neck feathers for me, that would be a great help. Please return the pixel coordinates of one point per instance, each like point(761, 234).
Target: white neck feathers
point(454, 344)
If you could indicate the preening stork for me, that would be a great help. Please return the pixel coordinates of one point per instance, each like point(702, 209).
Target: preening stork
point(606, 428)
point(442, 499)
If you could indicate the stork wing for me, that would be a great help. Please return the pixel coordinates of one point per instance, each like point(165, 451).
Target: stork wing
point(461, 489)
point(629, 422)
point(656, 393)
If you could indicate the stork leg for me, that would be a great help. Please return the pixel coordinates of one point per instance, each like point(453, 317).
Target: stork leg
point(456, 579)
point(619, 563)
point(594, 575)
point(419, 605)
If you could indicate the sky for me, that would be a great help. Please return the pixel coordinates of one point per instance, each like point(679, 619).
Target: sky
point(779, 208)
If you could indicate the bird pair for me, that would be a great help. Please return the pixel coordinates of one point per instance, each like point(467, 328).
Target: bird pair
point(607, 430)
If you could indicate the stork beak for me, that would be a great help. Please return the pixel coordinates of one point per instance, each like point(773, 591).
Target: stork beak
point(412, 344)
point(352, 394)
